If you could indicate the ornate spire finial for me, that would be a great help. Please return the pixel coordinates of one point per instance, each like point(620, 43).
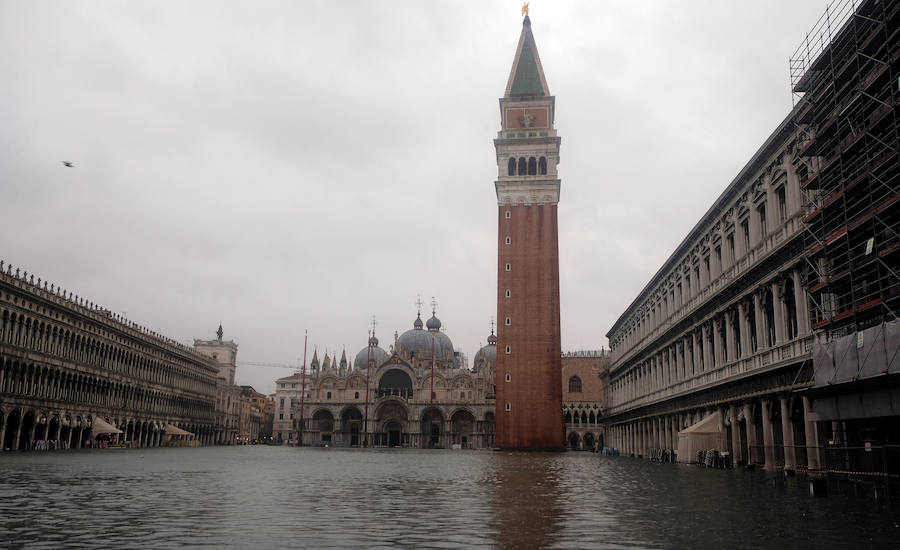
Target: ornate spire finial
point(492, 324)
point(219, 332)
point(525, 9)
point(374, 324)
point(419, 303)
point(433, 305)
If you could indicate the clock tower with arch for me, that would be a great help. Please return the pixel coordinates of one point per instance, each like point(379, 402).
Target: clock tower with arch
point(529, 363)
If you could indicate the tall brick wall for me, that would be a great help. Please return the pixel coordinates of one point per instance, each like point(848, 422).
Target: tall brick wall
point(534, 363)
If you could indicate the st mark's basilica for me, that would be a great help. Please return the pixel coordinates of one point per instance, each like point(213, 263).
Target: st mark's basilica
point(421, 394)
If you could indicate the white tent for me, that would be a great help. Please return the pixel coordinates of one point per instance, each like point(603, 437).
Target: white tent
point(100, 426)
point(175, 430)
point(702, 436)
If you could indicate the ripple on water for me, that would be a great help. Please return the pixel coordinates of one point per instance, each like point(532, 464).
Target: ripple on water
point(268, 497)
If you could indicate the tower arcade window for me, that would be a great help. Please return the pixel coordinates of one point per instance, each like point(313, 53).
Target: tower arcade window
point(542, 166)
point(574, 385)
point(532, 166)
point(523, 166)
point(512, 166)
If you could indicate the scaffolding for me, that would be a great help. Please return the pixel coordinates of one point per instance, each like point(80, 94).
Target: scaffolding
point(844, 80)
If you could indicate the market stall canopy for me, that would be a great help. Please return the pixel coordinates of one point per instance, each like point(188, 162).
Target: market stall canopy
point(102, 427)
point(702, 436)
point(175, 430)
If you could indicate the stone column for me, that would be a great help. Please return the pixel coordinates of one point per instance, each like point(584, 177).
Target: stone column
point(812, 436)
point(751, 431)
point(707, 355)
point(761, 337)
point(718, 348)
point(730, 352)
point(695, 354)
point(787, 430)
point(768, 436)
point(800, 304)
point(744, 330)
point(778, 309)
point(735, 436)
point(667, 433)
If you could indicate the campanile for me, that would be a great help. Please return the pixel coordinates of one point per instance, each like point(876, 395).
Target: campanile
point(528, 379)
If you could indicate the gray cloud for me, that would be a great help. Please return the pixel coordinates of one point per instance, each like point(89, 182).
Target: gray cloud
point(280, 166)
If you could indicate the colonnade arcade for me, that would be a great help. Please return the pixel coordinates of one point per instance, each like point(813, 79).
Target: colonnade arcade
point(765, 325)
point(584, 426)
point(394, 422)
point(25, 428)
point(773, 430)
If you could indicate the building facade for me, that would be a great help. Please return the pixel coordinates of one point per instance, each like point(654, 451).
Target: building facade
point(420, 395)
point(527, 186)
point(741, 327)
point(71, 371)
point(228, 395)
point(585, 376)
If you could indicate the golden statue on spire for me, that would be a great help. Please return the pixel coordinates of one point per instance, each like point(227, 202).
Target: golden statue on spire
point(525, 9)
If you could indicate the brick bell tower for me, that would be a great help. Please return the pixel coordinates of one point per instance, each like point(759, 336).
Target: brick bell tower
point(528, 379)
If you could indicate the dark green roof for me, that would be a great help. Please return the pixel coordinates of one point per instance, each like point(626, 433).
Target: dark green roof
point(527, 81)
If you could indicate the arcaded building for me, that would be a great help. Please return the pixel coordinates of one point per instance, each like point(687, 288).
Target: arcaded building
point(71, 371)
point(585, 377)
point(774, 322)
point(420, 394)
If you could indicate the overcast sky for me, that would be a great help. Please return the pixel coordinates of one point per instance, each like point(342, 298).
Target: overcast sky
point(307, 165)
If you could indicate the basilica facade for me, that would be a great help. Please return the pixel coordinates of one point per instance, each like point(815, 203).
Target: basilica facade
point(419, 394)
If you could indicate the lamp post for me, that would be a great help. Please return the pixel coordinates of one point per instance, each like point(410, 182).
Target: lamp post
point(302, 390)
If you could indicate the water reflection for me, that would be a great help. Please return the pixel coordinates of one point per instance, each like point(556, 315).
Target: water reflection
point(284, 497)
point(526, 500)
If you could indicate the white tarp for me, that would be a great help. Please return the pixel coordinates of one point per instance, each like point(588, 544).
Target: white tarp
point(702, 436)
point(102, 427)
point(175, 430)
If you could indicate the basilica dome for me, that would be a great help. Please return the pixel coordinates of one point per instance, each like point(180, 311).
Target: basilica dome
point(378, 354)
point(487, 355)
point(416, 345)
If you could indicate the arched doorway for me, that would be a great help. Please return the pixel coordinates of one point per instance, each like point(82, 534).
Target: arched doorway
point(323, 425)
point(54, 428)
point(461, 425)
point(394, 431)
point(351, 426)
point(28, 426)
point(589, 441)
point(12, 428)
point(432, 425)
point(573, 441)
point(391, 421)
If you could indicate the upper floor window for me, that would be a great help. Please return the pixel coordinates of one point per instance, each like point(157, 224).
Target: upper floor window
point(762, 220)
point(523, 166)
point(512, 166)
point(532, 166)
point(574, 385)
point(542, 166)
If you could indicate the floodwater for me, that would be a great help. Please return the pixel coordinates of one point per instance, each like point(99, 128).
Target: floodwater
point(285, 497)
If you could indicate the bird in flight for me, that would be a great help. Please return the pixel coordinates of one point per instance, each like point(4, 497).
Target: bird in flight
point(68, 164)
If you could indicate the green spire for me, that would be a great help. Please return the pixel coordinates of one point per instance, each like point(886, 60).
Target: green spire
point(527, 78)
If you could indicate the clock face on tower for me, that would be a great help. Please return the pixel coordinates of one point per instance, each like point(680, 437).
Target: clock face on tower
point(526, 120)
